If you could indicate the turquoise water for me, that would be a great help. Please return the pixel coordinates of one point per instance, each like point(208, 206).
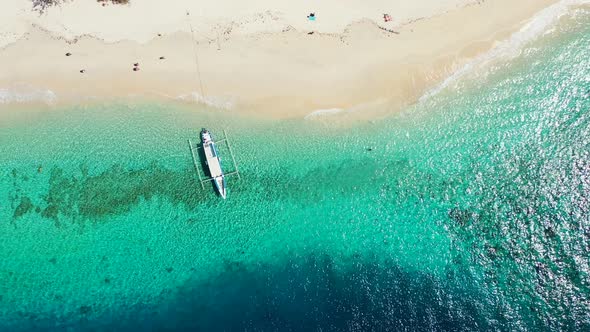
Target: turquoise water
point(468, 211)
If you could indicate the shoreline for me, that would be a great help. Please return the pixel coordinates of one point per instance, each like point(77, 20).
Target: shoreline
point(287, 74)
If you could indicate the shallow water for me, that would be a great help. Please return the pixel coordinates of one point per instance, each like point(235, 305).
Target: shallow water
point(468, 211)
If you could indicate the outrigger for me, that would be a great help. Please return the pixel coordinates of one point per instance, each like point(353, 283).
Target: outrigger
point(213, 161)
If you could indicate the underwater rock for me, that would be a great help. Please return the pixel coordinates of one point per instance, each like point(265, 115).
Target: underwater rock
point(549, 232)
point(462, 217)
point(85, 309)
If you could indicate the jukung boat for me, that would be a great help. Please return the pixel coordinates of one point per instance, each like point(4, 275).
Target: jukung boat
point(213, 162)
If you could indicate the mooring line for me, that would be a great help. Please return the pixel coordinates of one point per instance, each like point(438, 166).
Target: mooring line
point(196, 54)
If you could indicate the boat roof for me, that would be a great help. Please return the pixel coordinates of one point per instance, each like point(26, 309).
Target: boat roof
point(213, 160)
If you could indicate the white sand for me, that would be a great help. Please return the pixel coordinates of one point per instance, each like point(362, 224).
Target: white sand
point(253, 56)
point(142, 19)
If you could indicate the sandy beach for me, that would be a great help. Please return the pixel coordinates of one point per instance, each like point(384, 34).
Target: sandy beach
point(264, 57)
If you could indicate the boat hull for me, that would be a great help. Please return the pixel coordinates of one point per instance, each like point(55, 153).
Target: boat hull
point(213, 163)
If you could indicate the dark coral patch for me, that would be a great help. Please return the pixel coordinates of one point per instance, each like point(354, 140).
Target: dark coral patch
point(50, 212)
point(115, 191)
point(23, 208)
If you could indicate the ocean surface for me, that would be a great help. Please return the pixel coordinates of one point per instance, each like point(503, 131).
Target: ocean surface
point(467, 211)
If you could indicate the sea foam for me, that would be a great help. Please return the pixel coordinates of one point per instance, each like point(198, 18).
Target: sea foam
point(537, 26)
point(26, 95)
point(321, 112)
point(220, 102)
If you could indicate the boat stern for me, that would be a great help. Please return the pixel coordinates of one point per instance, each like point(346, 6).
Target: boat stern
point(221, 186)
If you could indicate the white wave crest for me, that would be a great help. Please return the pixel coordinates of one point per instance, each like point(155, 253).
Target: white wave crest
point(221, 102)
point(510, 48)
point(27, 95)
point(323, 112)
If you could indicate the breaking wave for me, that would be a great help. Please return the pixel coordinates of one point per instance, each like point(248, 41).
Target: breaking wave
point(26, 95)
point(512, 46)
point(221, 102)
point(321, 112)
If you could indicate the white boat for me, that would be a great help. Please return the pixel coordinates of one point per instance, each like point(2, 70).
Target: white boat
point(213, 163)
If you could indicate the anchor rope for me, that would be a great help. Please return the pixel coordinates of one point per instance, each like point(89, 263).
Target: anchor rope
point(198, 68)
